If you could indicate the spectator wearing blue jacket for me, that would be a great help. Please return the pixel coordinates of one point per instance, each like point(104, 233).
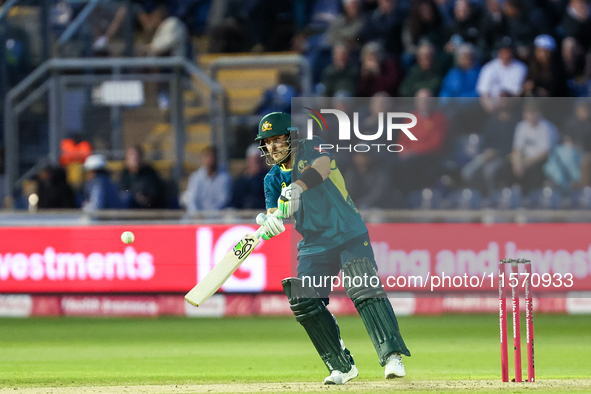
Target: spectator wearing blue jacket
point(99, 191)
point(461, 80)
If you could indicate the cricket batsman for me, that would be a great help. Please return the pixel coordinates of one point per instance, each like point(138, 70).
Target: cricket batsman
point(305, 182)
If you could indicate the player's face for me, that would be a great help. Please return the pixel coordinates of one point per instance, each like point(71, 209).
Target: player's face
point(277, 146)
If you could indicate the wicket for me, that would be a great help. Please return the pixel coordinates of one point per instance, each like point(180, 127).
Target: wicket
point(529, 324)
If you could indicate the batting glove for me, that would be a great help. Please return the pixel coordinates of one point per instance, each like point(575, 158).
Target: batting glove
point(289, 201)
point(273, 226)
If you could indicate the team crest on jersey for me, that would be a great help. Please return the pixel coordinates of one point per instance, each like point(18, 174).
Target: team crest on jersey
point(266, 126)
point(303, 165)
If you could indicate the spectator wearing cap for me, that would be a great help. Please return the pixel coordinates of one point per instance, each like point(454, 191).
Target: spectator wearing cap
point(504, 75)
point(248, 191)
point(576, 30)
point(379, 72)
point(99, 191)
point(341, 74)
point(461, 80)
point(533, 140)
point(210, 187)
point(423, 75)
point(546, 76)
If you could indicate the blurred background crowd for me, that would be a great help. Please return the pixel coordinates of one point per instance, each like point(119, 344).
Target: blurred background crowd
point(499, 88)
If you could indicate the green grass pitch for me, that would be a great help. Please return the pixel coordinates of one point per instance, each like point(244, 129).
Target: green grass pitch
point(58, 352)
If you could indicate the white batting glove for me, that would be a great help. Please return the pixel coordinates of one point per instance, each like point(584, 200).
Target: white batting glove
point(289, 201)
point(273, 225)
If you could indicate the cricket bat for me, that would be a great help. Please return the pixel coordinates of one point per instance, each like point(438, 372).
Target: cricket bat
point(225, 268)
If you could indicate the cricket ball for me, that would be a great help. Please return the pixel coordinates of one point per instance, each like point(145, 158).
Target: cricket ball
point(127, 237)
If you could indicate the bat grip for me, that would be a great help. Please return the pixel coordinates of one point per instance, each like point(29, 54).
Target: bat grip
point(261, 229)
point(259, 232)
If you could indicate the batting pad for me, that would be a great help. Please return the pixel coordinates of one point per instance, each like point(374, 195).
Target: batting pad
point(320, 325)
point(373, 306)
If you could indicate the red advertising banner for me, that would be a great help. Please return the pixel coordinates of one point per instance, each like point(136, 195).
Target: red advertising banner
point(465, 256)
point(162, 259)
point(92, 259)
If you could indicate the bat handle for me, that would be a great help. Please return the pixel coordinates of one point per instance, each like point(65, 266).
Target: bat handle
point(261, 229)
point(259, 232)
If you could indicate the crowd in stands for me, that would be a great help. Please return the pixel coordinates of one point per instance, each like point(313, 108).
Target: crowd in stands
point(455, 48)
point(451, 58)
point(518, 158)
point(139, 186)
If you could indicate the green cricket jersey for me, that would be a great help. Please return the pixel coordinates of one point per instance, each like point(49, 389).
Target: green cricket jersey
point(327, 216)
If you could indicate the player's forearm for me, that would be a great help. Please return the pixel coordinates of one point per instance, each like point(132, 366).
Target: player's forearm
point(322, 165)
point(316, 174)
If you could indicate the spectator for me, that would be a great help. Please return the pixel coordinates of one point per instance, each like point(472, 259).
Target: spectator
point(277, 98)
point(577, 133)
point(555, 10)
point(367, 181)
point(252, 25)
point(420, 159)
point(485, 171)
point(347, 26)
point(99, 191)
point(369, 123)
point(323, 13)
point(546, 75)
point(209, 188)
point(577, 129)
point(379, 73)
point(493, 26)
point(423, 75)
point(384, 25)
point(533, 140)
point(341, 74)
point(503, 75)
point(446, 9)
point(18, 53)
point(140, 183)
point(466, 25)
point(227, 30)
point(171, 36)
point(568, 163)
point(576, 28)
point(461, 80)
point(248, 190)
point(53, 189)
point(105, 23)
point(424, 23)
point(370, 118)
point(524, 24)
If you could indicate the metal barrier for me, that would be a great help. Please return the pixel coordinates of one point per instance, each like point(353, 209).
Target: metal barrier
point(233, 216)
point(53, 75)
